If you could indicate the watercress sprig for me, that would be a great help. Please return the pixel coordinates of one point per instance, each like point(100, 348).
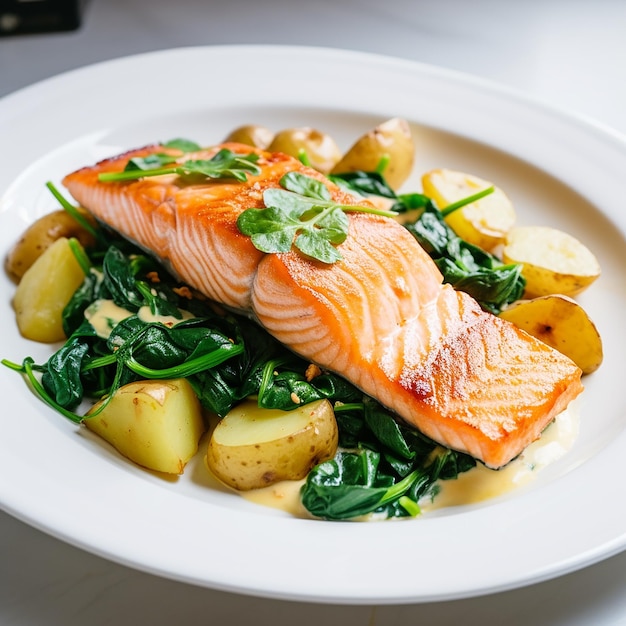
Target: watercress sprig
point(223, 164)
point(303, 214)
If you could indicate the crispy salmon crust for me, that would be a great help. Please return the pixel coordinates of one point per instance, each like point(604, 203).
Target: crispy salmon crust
point(381, 317)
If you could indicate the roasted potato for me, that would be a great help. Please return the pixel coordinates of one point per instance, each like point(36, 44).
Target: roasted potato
point(563, 324)
point(39, 236)
point(44, 291)
point(391, 140)
point(253, 447)
point(251, 135)
point(483, 223)
point(553, 261)
point(155, 423)
point(318, 148)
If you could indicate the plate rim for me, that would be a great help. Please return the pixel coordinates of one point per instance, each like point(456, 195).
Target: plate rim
point(56, 526)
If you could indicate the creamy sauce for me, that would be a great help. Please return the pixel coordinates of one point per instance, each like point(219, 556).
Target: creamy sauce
point(481, 483)
point(146, 315)
point(477, 485)
point(284, 495)
point(104, 315)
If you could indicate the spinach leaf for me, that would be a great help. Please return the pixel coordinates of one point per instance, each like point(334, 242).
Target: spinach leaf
point(284, 385)
point(465, 266)
point(120, 280)
point(351, 486)
point(62, 375)
point(385, 467)
point(364, 183)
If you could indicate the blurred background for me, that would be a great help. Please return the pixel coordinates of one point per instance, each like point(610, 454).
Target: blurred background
point(568, 53)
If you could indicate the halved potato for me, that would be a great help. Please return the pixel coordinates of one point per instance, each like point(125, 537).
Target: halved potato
point(483, 223)
point(319, 148)
point(251, 135)
point(553, 261)
point(39, 236)
point(253, 447)
point(45, 290)
point(563, 324)
point(155, 423)
point(390, 140)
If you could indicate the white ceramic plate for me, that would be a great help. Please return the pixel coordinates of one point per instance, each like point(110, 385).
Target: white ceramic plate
point(559, 170)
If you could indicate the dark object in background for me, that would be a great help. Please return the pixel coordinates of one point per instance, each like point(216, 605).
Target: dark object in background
point(18, 17)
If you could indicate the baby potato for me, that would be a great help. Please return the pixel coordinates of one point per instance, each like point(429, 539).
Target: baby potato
point(390, 140)
point(319, 148)
point(483, 223)
point(253, 447)
point(44, 291)
point(251, 135)
point(553, 261)
point(563, 324)
point(155, 423)
point(39, 236)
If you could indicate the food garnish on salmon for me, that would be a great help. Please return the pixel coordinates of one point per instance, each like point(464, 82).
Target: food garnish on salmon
point(380, 316)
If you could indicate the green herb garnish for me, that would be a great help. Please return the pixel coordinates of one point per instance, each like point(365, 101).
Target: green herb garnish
point(301, 214)
point(224, 164)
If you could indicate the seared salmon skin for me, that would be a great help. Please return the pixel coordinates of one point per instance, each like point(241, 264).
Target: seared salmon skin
point(381, 316)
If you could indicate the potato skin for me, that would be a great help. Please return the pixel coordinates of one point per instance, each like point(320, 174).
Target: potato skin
point(319, 148)
point(155, 423)
point(553, 261)
point(251, 135)
point(39, 236)
point(289, 444)
point(390, 139)
point(563, 324)
point(45, 290)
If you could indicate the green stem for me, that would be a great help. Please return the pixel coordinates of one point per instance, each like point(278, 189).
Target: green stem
point(134, 174)
point(27, 370)
point(366, 209)
point(465, 201)
point(268, 372)
point(101, 361)
point(14, 366)
point(80, 255)
point(382, 164)
point(399, 489)
point(73, 211)
point(411, 507)
point(187, 368)
point(303, 157)
point(350, 406)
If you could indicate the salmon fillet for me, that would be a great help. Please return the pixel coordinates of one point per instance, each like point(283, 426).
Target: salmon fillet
point(381, 317)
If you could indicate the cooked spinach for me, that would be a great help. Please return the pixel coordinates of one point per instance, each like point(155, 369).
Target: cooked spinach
point(383, 466)
point(225, 357)
point(465, 266)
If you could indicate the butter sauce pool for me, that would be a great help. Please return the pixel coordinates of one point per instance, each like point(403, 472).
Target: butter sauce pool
point(475, 486)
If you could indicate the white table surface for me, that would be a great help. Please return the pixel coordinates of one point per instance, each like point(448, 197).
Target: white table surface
point(568, 53)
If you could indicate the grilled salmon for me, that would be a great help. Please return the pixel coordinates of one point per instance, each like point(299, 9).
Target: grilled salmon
point(381, 317)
